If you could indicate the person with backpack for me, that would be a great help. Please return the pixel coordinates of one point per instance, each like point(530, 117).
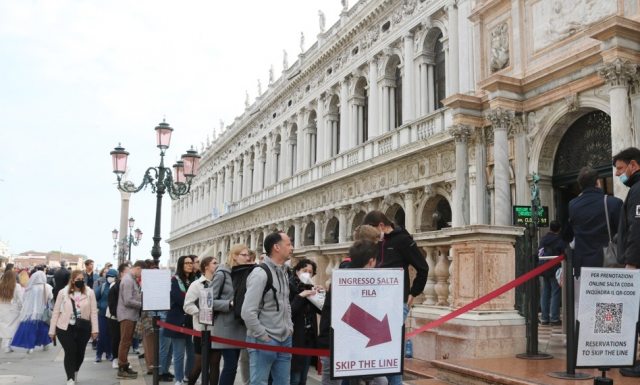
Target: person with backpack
point(182, 343)
point(111, 313)
point(268, 315)
point(551, 245)
point(226, 325)
point(128, 313)
point(102, 298)
point(192, 307)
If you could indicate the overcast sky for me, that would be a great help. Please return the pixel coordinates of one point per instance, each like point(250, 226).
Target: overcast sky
point(77, 77)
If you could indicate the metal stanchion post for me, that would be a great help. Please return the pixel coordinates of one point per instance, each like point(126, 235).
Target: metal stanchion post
point(206, 348)
point(156, 349)
point(570, 324)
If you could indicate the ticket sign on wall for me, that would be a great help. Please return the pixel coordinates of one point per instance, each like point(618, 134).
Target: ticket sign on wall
point(608, 316)
point(366, 322)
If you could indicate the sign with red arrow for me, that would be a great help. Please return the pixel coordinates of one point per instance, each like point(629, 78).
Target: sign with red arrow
point(367, 319)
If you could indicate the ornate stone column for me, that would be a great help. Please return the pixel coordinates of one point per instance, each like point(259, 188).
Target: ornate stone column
point(317, 219)
point(407, 85)
point(431, 88)
point(297, 237)
point(268, 175)
point(373, 98)
point(501, 120)
point(246, 174)
point(618, 75)
point(453, 77)
point(301, 155)
point(386, 126)
point(461, 210)
point(227, 183)
point(284, 151)
point(344, 116)
point(342, 227)
point(254, 240)
point(321, 131)
point(409, 211)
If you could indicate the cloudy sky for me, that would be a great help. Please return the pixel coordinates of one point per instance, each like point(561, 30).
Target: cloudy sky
point(77, 77)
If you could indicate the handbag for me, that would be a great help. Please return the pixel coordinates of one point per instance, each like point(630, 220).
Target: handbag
point(46, 313)
point(611, 251)
point(81, 323)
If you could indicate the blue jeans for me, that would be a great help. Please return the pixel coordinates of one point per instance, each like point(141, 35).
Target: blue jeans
point(299, 377)
point(263, 362)
point(181, 346)
point(166, 352)
point(550, 300)
point(397, 379)
point(230, 366)
point(104, 341)
point(135, 343)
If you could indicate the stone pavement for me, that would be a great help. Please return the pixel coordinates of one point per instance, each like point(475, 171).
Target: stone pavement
point(46, 368)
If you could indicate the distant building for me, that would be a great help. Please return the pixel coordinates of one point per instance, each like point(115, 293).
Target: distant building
point(5, 253)
point(34, 258)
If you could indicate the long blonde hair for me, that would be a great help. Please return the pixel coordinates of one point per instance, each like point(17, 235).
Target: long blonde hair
point(24, 278)
point(7, 286)
point(235, 250)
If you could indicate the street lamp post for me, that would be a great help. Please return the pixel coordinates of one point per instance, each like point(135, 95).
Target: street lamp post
point(128, 241)
point(160, 178)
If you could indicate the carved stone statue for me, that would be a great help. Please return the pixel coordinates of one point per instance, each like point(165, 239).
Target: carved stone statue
point(322, 20)
point(500, 47)
point(208, 141)
point(271, 76)
point(345, 5)
point(301, 42)
point(285, 60)
point(221, 126)
point(533, 125)
point(259, 88)
point(246, 99)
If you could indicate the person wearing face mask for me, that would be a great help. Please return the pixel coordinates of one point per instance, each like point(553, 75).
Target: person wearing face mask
point(76, 305)
point(102, 294)
point(627, 165)
point(305, 318)
point(588, 224)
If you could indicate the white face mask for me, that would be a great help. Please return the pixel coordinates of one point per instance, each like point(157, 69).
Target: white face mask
point(111, 279)
point(305, 277)
point(381, 236)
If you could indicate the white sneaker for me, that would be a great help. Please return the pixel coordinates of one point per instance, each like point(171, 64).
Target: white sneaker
point(114, 364)
point(75, 376)
point(45, 347)
point(8, 349)
point(71, 382)
point(30, 351)
point(178, 383)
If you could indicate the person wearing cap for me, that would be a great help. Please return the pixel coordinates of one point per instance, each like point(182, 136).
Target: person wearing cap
point(102, 293)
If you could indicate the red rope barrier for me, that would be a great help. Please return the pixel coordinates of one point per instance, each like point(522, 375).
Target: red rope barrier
point(244, 344)
point(325, 352)
point(488, 297)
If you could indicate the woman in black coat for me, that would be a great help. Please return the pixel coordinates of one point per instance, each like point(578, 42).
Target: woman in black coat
point(305, 318)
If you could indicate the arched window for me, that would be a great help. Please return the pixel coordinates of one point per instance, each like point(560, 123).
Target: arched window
point(360, 104)
point(440, 73)
point(398, 98)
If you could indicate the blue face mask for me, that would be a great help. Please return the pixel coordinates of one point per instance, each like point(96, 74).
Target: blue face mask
point(623, 176)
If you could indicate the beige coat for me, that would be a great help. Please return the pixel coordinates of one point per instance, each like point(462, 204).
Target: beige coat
point(10, 314)
point(63, 310)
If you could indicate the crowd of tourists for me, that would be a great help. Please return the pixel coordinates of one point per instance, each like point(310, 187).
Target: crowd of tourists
point(264, 301)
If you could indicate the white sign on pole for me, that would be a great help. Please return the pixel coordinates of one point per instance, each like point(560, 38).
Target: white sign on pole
point(366, 322)
point(156, 289)
point(205, 306)
point(608, 315)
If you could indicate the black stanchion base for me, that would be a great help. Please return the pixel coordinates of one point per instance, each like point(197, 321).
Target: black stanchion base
point(539, 356)
point(602, 381)
point(567, 376)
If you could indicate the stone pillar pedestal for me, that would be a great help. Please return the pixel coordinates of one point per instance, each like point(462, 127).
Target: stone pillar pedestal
point(483, 259)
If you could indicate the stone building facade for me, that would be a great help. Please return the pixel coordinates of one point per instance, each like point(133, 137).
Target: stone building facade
point(436, 112)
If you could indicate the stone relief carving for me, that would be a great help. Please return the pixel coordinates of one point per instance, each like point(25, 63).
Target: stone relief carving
point(500, 47)
point(501, 118)
point(572, 102)
point(533, 124)
point(556, 20)
point(461, 132)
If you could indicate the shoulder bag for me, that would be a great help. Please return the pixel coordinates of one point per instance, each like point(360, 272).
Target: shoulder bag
point(81, 323)
point(46, 313)
point(611, 251)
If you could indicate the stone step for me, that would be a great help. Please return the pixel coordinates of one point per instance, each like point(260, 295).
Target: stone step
point(514, 371)
point(419, 369)
point(425, 381)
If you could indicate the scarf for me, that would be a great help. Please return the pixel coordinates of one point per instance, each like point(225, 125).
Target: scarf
point(33, 301)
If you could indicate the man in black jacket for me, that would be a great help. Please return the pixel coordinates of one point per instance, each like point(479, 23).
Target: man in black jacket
point(627, 164)
point(61, 277)
point(588, 224)
point(551, 245)
point(397, 249)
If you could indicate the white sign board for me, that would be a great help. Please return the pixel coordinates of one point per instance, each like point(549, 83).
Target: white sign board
point(205, 306)
point(156, 289)
point(608, 315)
point(366, 322)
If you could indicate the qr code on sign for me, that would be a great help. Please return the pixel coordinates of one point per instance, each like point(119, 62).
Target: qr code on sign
point(608, 318)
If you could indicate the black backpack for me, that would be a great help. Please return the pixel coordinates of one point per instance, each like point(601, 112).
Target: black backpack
point(239, 275)
point(112, 298)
